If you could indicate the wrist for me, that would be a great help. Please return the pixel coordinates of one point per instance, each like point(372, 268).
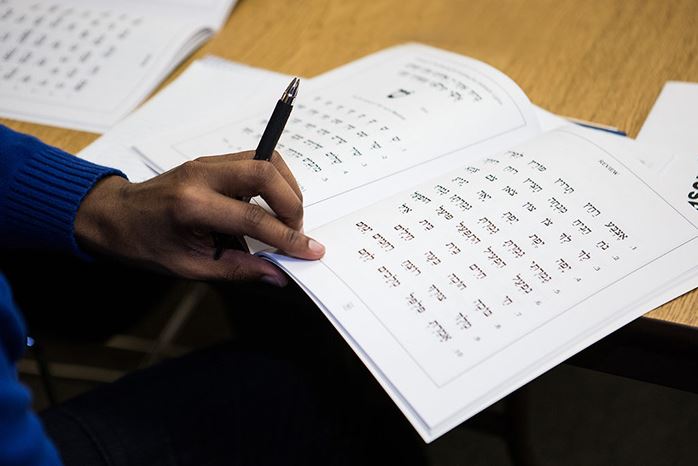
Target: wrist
point(99, 217)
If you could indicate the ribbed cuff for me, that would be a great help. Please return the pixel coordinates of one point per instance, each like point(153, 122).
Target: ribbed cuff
point(44, 195)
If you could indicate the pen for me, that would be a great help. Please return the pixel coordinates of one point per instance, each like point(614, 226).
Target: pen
point(265, 149)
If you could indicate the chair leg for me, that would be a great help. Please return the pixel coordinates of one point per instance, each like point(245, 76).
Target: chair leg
point(46, 377)
point(190, 299)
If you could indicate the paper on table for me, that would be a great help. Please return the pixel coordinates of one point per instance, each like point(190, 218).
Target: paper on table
point(549, 121)
point(670, 128)
point(673, 120)
point(201, 87)
point(394, 117)
point(85, 64)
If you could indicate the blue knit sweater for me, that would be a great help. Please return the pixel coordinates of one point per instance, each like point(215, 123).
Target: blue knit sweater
point(41, 188)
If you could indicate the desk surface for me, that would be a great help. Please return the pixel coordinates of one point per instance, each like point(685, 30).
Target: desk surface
point(598, 60)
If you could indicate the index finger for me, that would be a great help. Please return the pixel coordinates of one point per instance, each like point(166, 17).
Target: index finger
point(276, 159)
point(234, 217)
point(280, 165)
point(256, 177)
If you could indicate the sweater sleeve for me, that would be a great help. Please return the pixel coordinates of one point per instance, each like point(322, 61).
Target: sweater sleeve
point(22, 437)
point(41, 188)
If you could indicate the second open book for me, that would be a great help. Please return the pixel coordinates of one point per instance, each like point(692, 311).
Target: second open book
point(467, 251)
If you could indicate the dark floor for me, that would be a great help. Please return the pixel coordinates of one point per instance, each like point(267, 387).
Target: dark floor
point(576, 416)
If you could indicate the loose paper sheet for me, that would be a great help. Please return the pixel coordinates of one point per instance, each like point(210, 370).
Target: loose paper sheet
point(190, 98)
point(86, 64)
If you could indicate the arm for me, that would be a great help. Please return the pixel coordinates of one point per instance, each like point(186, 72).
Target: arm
point(165, 223)
point(50, 199)
point(22, 438)
point(41, 188)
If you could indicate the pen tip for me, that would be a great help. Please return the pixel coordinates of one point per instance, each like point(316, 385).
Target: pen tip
point(291, 91)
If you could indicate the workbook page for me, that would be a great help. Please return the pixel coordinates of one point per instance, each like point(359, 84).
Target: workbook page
point(84, 65)
point(461, 289)
point(391, 114)
point(190, 96)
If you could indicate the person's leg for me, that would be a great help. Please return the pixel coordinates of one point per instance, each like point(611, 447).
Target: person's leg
point(220, 406)
point(285, 324)
point(300, 367)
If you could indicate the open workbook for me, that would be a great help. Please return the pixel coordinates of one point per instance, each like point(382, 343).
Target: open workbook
point(85, 64)
point(467, 251)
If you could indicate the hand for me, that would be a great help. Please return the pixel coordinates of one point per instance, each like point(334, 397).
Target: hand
point(166, 222)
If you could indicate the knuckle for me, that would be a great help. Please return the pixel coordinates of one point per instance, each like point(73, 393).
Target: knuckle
point(187, 204)
point(244, 155)
point(264, 171)
point(292, 237)
point(203, 159)
point(297, 211)
point(253, 215)
point(278, 161)
point(234, 273)
point(190, 168)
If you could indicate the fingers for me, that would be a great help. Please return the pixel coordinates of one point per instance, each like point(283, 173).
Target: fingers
point(275, 160)
point(280, 165)
point(237, 175)
point(239, 266)
point(235, 217)
point(249, 178)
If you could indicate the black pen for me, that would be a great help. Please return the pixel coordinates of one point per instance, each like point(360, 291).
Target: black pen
point(265, 149)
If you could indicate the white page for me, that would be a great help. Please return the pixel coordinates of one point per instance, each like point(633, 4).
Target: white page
point(203, 85)
point(548, 120)
point(385, 121)
point(214, 13)
point(670, 130)
point(84, 65)
point(673, 120)
point(446, 343)
point(678, 179)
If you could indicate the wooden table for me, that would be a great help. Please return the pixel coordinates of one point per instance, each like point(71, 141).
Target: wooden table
point(600, 60)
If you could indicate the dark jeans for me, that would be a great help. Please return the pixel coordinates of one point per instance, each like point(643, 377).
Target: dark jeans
point(214, 407)
point(287, 390)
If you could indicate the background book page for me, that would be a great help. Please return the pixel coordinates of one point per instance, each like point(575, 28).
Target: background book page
point(345, 141)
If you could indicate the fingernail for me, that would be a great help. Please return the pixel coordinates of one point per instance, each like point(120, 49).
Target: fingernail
point(278, 281)
point(316, 247)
